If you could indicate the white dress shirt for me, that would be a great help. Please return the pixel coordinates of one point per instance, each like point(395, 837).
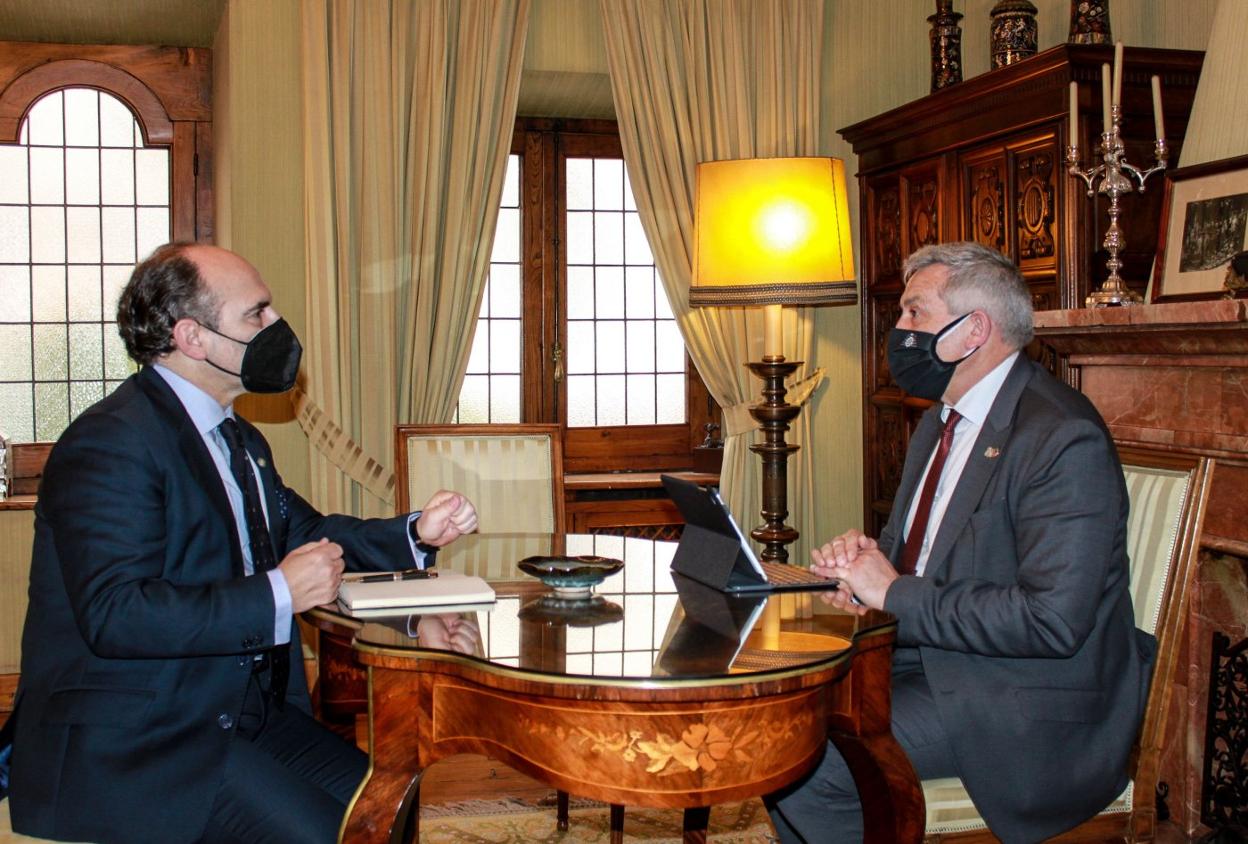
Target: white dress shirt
point(974, 407)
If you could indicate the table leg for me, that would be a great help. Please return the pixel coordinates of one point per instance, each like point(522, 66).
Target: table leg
point(561, 810)
point(617, 824)
point(386, 806)
point(696, 821)
point(893, 811)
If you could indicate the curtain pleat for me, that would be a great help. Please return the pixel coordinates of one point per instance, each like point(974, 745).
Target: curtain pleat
point(409, 113)
point(708, 80)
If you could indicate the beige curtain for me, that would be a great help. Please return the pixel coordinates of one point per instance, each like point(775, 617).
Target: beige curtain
point(707, 80)
point(409, 111)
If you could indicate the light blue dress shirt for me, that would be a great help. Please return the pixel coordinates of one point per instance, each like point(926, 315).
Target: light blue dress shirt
point(208, 415)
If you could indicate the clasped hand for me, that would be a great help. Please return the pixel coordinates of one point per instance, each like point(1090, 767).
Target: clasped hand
point(854, 559)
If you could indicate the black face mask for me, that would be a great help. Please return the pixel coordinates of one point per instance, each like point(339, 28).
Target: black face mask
point(271, 361)
point(916, 366)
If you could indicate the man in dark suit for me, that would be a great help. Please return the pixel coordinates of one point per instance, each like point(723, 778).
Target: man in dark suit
point(157, 701)
point(1019, 667)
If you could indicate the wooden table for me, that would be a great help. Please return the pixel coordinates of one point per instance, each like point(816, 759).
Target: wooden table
point(651, 696)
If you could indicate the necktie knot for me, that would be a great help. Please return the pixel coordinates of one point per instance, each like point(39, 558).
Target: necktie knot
point(231, 432)
point(947, 433)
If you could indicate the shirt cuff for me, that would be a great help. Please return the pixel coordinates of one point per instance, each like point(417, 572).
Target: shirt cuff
point(281, 607)
point(423, 556)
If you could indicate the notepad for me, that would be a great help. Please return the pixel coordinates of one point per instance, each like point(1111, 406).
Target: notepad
point(448, 588)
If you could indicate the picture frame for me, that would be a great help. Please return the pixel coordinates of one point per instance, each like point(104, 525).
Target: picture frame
point(1204, 225)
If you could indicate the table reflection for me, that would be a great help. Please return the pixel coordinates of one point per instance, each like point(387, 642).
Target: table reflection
point(641, 623)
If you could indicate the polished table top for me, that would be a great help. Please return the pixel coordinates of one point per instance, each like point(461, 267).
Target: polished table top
point(642, 626)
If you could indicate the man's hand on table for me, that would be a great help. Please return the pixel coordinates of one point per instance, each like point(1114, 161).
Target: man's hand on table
point(313, 572)
point(855, 560)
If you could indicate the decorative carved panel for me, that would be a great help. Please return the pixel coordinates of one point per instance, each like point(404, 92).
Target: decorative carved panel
point(887, 312)
point(888, 230)
point(986, 207)
point(891, 441)
point(1033, 175)
point(924, 211)
point(1224, 795)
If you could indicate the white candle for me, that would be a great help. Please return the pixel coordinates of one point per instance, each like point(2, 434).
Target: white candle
point(1159, 118)
point(1118, 74)
point(1105, 97)
point(773, 337)
point(1074, 114)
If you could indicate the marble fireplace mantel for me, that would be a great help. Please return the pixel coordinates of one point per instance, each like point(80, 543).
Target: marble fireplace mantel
point(1169, 376)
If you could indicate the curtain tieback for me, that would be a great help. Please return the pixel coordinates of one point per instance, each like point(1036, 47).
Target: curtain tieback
point(340, 449)
point(737, 418)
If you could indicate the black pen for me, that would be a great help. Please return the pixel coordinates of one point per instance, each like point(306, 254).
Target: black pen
point(383, 577)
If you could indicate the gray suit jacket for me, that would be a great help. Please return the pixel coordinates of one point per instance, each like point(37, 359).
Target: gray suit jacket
point(1023, 617)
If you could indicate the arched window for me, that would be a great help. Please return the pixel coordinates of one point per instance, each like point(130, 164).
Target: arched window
point(95, 172)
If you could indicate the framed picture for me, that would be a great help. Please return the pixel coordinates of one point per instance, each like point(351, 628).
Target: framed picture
point(1204, 229)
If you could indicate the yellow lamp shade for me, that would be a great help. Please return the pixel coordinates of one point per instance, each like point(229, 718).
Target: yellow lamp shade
point(772, 231)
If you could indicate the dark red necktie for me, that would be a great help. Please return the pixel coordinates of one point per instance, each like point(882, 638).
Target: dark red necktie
point(918, 529)
point(262, 556)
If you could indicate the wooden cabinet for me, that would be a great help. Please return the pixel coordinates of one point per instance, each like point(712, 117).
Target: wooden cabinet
point(985, 160)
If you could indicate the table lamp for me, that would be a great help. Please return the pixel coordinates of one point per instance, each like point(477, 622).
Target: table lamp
point(772, 232)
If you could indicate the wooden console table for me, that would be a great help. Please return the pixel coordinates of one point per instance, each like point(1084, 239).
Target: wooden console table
point(1176, 376)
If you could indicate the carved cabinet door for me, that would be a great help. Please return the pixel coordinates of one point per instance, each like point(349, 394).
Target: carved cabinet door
point(905, 210)
point(1009, 202)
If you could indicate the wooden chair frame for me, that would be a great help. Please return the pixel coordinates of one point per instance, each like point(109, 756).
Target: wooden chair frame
point(403, 432)
point(1139, 824)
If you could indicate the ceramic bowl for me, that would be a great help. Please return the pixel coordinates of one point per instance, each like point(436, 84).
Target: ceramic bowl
point(570, 576)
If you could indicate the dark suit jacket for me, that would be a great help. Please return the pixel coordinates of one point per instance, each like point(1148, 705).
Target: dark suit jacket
point(142, 629)
point(1023, 617)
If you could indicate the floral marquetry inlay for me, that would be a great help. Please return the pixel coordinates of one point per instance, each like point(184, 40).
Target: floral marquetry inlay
point(703, 745)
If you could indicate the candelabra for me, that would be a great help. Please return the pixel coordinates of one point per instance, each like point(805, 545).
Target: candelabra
point(1115, 174)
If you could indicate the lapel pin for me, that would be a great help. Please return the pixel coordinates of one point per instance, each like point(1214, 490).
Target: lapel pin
point(992, 452)
point(260, 462)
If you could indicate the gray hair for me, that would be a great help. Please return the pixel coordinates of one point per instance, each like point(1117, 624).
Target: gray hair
point(980, 279)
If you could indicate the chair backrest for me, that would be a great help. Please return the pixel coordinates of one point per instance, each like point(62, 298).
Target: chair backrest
point(1167, 493)
point(512, 473)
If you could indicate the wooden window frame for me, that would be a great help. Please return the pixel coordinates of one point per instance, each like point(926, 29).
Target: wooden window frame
point(169, 89)
point(543, 144)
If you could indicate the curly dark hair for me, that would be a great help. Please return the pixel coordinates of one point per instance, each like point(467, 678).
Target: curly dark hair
point(164, 288)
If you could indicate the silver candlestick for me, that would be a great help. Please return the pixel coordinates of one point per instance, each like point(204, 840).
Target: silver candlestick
point(1113, 174)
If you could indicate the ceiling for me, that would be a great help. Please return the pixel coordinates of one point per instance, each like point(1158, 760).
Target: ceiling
point(178, 23)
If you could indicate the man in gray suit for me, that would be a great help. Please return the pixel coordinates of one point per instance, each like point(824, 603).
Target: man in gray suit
point(1019, 667)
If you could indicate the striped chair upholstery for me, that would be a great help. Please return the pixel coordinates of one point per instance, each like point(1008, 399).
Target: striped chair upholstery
point(1167, 492)
point(512, 473)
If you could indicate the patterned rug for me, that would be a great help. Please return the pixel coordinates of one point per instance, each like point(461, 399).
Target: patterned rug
point(511, 820)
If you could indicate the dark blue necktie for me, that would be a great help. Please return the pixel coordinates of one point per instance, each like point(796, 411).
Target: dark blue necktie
point(262, 557)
